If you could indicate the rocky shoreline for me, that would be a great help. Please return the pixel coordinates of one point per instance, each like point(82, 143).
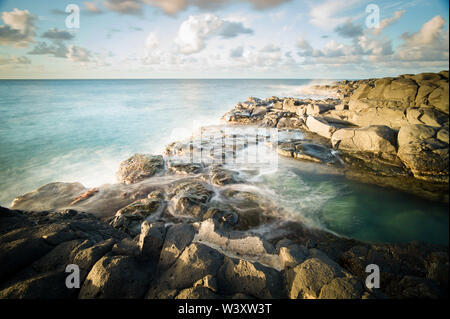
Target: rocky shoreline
point(390, 131)
point(178, 228)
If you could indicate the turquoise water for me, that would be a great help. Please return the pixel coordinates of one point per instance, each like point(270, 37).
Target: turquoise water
point(80, 130)
point(356, 210)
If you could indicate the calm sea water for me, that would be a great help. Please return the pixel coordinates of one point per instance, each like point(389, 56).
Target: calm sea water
point(80, 130)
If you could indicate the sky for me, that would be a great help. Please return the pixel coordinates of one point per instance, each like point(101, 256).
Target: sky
point(326, 39)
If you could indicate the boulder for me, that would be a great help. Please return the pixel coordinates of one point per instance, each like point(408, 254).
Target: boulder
point(292, 255)
point(221, 176)
point(343, 288)
point(290, 122)
point(197, 293)
point(423, 153)
point(394, 117)
point(250, 278)
point(439, 97)
point(291, 105)
point(184, 168)
point(178, 237)
point(86, 256)
point(189, 198)
point(49, 285)
point(151, 239)
point(320, 126)
point(238, 243)
point(374, 139)
point(306, 280)
point(401, 89)
point(115, 277)
point(195, 262)
point(126, 247)
point(49, 197)
point(427, 116)
point(139, 167)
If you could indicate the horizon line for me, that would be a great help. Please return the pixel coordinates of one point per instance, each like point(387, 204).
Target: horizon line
point(206, 78)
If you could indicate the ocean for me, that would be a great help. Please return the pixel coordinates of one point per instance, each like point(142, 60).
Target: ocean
point(80, 130)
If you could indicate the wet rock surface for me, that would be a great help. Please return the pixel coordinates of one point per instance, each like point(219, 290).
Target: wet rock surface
point(182, 226)
point(386, 127)
point(139, 167)
point(203, 260)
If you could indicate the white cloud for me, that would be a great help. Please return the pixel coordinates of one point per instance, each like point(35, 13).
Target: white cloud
point(58, 49)
point(92, 7)
point(133, 7)
point(326, 14)
point(14, 60)
point(174, 6)
point(19, 28)
point(152, 41)
point(237, 52)
point(430, 43)
point(55, 34)
point(349, 30)
point(271, 48)
point(78, 54)
point(194, 31)
point(388, 21)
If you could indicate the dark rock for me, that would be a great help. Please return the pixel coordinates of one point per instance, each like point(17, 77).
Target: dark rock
point(139, 167)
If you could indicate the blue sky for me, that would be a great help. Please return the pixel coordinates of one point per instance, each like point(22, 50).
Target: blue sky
point(222, 39)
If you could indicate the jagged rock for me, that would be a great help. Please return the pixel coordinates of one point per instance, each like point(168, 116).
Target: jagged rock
point(48, 197)
point(439, 97)
point(116, 277)
point(130, 218)
point(189, 199)
point(313, 152)
point(437, 268)
point(195, 262)
point(178, 237)
point(320, 126)
point(139, 167)
point(86, 257)
point(342, 288)
point(415, 287)
point(126, 247)
point(374, 139)
point(49, 285)
point(249, 207)
point(259, 111)
point(249, 278)
point(145, 207)
point(238, 243)
point(317, 108)
point(424, 154)
point(151, 239)
point(393, 117)
point(209, 282)
point(292, 255)
point(290, 122)
point(184, 168)
point(57, 259)
point(19, 253)
point(224, 216)
point(291, 105)
point(196, 293)
point(427, 116)
point(221, 176)
point(306, 280)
